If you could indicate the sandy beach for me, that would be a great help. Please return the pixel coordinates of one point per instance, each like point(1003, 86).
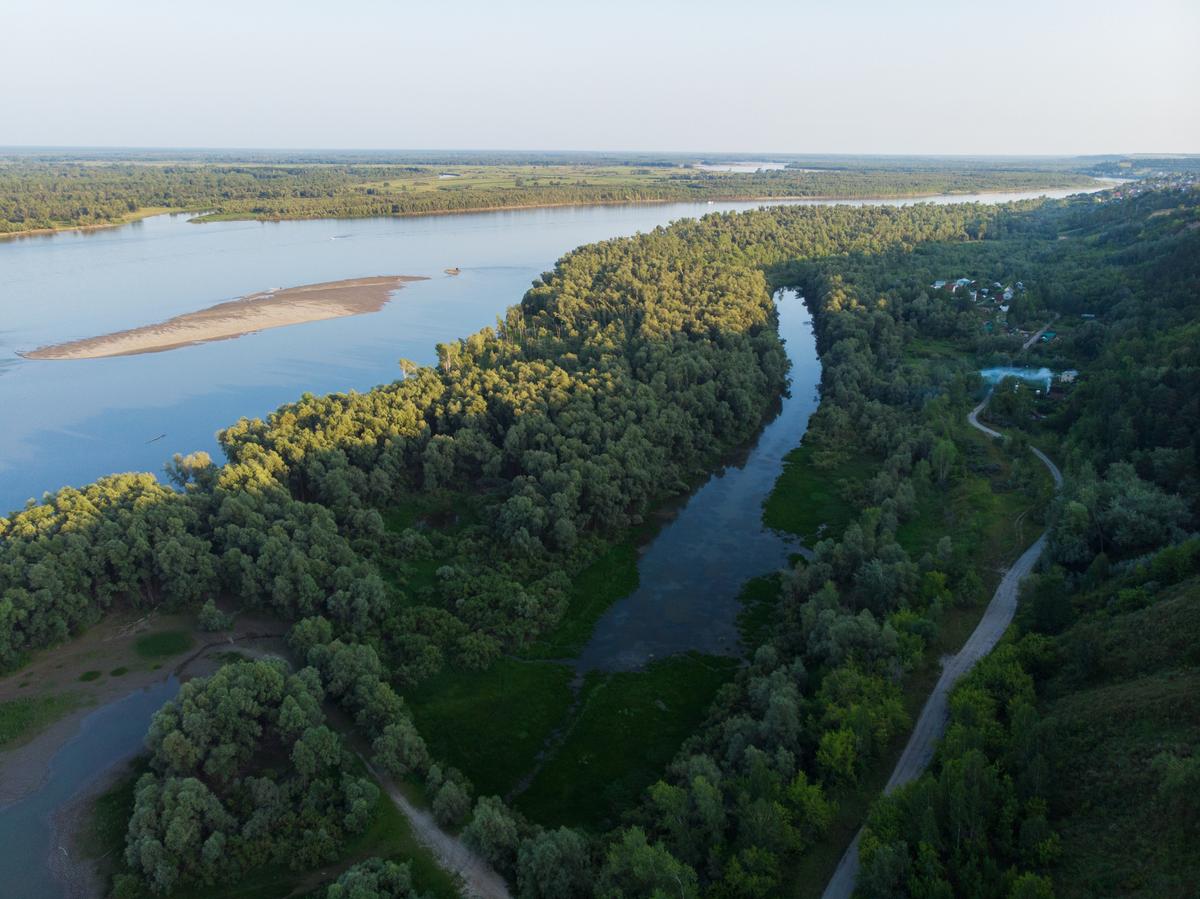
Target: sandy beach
point(256, 312)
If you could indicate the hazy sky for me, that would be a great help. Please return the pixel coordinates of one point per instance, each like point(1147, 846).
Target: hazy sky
point(1004, 76)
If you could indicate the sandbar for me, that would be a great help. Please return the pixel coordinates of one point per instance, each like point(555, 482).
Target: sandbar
point(235, 318)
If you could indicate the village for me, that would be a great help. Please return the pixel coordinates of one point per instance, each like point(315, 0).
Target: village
point(1036, 389)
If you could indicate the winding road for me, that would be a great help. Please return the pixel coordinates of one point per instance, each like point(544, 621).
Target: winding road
point(930, 726)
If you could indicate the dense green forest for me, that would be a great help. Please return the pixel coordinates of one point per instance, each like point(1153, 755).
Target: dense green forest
point(40, 192)
point(436, 530)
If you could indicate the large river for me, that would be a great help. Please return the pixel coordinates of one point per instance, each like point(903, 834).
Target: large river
point(69, 422)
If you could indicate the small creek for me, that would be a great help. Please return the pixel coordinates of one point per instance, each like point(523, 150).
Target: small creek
point(691, 573)
point(106, 737)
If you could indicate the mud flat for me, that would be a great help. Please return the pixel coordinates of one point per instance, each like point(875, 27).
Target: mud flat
point(256, 312)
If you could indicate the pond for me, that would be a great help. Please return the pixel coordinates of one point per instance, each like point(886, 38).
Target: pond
point(1042, 376)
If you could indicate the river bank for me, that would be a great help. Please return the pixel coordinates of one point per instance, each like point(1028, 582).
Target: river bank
point(122, 671)
point(200, 216)
point(866, 199)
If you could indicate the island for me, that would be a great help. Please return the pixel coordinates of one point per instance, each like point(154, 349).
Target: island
point(273, 308)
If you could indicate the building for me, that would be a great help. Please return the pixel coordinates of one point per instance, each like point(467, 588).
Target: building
point(1068, 376)
point(1049, 336)
point(938, 285)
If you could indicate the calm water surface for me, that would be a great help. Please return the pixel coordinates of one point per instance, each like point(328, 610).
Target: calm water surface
point(1041, 376)
point(691, 574)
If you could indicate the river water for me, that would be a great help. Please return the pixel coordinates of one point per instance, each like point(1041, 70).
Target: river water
point(691, 574)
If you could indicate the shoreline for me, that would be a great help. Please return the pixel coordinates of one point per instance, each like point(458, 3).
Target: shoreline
point(770, 198)
point(200, 217)
point(133, 219)
point(275, 308)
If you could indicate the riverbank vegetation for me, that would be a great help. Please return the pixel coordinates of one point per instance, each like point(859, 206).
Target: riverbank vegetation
point(52, 191)
point(430, 537)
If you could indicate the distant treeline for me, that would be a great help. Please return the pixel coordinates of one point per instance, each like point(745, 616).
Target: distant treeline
point(37, 194)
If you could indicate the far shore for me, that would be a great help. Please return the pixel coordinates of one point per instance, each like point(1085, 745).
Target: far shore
point(132, 218)
point(256, 312)
point(200, 217)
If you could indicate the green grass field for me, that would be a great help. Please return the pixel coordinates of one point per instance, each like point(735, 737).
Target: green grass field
point(628, 728)
point(492, 724)
point(20, 718)
point(808, 495)
point(163, 644)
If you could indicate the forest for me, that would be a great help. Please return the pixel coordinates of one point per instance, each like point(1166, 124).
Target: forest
point(621, 376)
point(50, 191)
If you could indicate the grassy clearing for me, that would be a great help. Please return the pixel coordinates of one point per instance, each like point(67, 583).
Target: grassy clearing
point(444, 510)
point(163, 644)
point(989, 520)
point(809, 495)
point(22, 718)
point(90, 675)
point(492, 724)
point(628, 727)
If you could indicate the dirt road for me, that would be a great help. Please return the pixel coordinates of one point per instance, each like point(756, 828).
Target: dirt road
point(932, 723)
point(478, 878)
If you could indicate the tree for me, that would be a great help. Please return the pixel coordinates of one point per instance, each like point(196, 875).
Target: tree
point(493, 832)
point(634, 867)
point(944, 458)
point(554, 864)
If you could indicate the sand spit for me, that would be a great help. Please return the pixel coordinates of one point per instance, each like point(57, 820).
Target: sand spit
point(256, 312)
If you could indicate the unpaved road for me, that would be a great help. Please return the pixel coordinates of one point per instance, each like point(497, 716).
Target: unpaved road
point(932, 723)
point(478, 879)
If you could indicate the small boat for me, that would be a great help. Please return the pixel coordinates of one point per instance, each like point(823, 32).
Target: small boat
point(453, 271)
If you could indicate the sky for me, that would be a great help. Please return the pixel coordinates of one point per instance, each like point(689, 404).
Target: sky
point(845, 76)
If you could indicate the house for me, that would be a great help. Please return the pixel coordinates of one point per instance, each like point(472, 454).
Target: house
point(963, 282)
point(1048, 336)
point(938, 285)
point(1008, 294)
point(1088, 315)
point(1004, 308)
point(1020, 285)
point(1068, 376)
